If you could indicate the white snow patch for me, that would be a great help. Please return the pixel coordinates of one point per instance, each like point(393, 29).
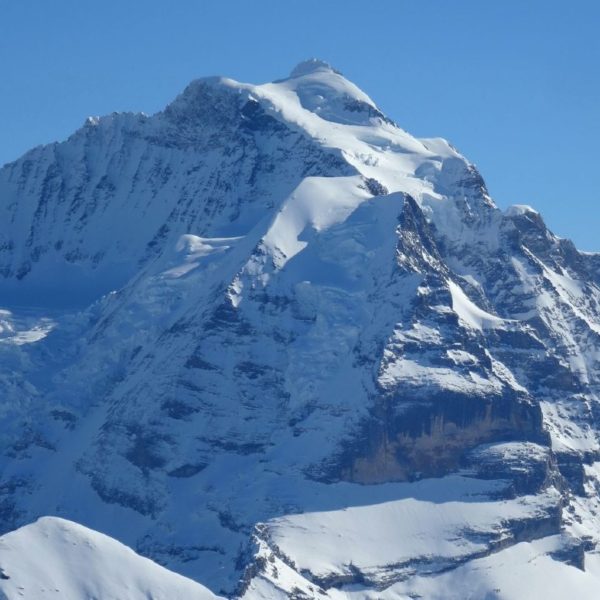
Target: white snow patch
point(191, 249)
point(469, 313)
point(460, 357)
point(520, 209)
point(21, 329)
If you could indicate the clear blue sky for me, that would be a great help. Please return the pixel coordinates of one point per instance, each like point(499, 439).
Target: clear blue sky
point(515, 85)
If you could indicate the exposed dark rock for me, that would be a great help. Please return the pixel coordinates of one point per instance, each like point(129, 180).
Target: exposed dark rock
point(411, 438)
point(187, 470)
point(375, 187)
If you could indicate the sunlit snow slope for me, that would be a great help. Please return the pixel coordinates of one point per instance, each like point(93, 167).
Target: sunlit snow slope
point(54, 558)
point(276, 344)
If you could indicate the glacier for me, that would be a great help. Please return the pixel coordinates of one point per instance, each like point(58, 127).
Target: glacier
point(284, 349)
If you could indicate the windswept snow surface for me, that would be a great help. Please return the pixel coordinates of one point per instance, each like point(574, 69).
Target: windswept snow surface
point(280, 346)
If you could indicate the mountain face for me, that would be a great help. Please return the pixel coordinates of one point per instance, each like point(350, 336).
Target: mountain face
point(276, 344)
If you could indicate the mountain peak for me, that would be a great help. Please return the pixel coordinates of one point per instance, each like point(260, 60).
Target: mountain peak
point(325, 92)
point(312, 65)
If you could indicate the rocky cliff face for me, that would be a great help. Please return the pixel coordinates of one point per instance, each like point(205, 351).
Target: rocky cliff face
point(240, 329)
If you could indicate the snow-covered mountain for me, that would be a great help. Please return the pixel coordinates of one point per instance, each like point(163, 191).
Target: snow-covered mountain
point(55, 558)
point(276, 344)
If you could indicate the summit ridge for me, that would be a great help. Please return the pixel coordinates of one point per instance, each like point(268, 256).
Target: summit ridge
point(309, 66)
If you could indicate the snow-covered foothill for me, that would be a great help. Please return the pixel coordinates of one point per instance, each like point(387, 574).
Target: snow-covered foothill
point(56, 558)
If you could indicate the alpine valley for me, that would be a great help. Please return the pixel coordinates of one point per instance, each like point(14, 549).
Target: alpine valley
point(270, 341)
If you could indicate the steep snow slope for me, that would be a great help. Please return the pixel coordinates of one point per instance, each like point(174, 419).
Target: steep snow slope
point(249, 324)
point(54, 558)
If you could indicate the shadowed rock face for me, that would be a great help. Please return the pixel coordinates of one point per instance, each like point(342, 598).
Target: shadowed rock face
point(415, 429)
point(408, 440)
